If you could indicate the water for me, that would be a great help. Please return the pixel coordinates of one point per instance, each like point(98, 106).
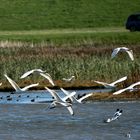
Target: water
point(35, 122)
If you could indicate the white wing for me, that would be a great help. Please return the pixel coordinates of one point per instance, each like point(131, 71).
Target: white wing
point(102, 83)
point(29, 86)
point(55, 95)
point(135, 84)
point(130, 53)
point(120, 80)
point(114, 53)
point(84, 97)
point(70, 110)
point(30, 72)
point(66, 93)
point(47, 76)
point(14, 84)
point(0, 84)
point(119, 91)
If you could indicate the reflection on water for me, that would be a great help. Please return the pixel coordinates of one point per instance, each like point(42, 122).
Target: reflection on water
point(34, 122)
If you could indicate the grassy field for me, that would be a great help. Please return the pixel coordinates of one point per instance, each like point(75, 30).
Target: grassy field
point(67, 38)
point(51, 14)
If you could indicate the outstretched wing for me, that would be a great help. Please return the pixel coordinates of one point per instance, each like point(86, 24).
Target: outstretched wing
point(84, 97)
point(27, 74)
point(119, 91)
point(29, 86)
point(70, 110)
point(14, 84)
point(30, 72)
point(102, 83)
point(135, 84)
point(114, 53)
point(120, 80)
point(47, 76)
point(130, 53)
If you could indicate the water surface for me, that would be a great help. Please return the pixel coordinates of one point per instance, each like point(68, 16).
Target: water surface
point(36, 122)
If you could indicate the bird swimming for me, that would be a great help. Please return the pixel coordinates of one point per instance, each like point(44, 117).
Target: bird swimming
point(116, 115)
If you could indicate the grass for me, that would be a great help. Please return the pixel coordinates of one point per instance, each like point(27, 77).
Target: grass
point(54, 14)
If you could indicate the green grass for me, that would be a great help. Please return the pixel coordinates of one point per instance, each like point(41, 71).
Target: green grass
point(70, 37)
point(50, 14)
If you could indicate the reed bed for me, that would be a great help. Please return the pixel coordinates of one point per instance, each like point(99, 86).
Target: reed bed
point(86, 62)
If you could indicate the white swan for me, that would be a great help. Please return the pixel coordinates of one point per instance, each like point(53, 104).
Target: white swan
point(130, 88)
point(112, 85)
point(61, 101)
point(73, 98)
point(16, 87)
point(32, 71)
point(41, 72)
point(127, 50)
point(68, 79)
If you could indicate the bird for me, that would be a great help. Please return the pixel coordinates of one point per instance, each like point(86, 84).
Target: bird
point(116, 115)
point(123, 49)
point(128, 135)
point(112, 85)
point(32, 71)
point(41, 72)
point(16, 87)
point(69, 79)
point(73, 98)
point(61, 101)
point(130, 88)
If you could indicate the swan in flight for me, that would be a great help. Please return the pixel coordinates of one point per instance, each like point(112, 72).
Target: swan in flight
point(116, 115)
point(130, 88)
point(16, 87)
point(68, 79)
point(41, 72)
point(112, 85)
point(61, 101)
point(123, 49)
point(73, 98)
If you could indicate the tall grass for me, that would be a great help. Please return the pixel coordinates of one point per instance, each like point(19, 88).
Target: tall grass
point(86, 63)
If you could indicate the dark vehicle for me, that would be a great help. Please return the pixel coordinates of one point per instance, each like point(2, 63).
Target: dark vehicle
point(133, 22)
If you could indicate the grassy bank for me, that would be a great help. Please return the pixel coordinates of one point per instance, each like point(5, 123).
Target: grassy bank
point(50, 14)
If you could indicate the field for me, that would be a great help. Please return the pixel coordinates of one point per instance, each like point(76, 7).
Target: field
point(54, 14)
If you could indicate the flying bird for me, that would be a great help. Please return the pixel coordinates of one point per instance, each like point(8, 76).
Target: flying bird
point(112, 85)
point(32, 71)
point(41, 72)
point(16, 87)
point(61, 101)
point(123, 49)
point(130, 88)
point(68, 79)
point(73, 98)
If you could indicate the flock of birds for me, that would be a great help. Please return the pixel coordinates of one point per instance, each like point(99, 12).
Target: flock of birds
point(70, 97)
